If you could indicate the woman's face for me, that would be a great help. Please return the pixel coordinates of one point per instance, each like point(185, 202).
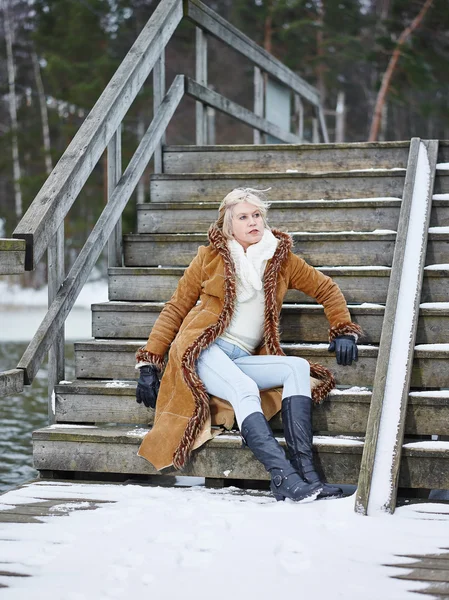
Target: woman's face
point(247, 224)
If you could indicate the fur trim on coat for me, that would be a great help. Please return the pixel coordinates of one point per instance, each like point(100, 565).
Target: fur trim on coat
point(212, 276)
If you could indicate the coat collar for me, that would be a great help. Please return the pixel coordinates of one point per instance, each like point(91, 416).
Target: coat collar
point(219, 242)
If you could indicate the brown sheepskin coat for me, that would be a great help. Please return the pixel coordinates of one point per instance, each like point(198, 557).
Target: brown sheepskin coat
point(185, 412)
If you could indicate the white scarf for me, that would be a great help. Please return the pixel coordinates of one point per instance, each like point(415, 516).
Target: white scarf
point(250, 265)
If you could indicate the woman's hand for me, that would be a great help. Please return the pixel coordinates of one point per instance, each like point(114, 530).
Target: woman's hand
point(345, 349)
point(148, 386)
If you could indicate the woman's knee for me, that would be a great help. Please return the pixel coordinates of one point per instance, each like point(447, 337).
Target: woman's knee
point(299, 365)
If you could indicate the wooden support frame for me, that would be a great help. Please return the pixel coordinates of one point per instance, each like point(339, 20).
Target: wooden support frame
point(378, 480)
point(56, 357)
point(12, 256)
point(258, 101)
point(58, 193)
point(115, 249)
point(158, 96)
point(201, 78)
point(67, 294)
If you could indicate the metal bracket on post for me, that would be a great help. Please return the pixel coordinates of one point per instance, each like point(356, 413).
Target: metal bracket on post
point(115, 253)
point(201, 78)
point(379, 471)
point(158, 96)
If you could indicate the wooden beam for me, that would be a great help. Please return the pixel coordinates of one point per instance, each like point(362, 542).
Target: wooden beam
point(210, 21)
point(58, 193)
point(201, 78)
point(379, 471)
point(11, 382)
point(233, 109)
point(65, 299)
point(12, 257)
point(114, 160)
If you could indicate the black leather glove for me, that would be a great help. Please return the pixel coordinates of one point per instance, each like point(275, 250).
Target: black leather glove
point(345, 349)
point(148, 386)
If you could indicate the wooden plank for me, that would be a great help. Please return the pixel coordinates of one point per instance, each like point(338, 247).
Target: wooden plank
point(314, 215)
point(358, 284)
point(377, 488)
point(114, 166)
point(238, 112)
point(103, 359)
point(159, 90)
point(61, 306)
point(114, 450)
point(11, 382)
point(299, 322)
point(280, 158)
point(438, 590)
point(12, 257)
point(201, 78)
point(330, 249)
point(284, 186)
point(343, 412)
point(213, 23)
point(419, 574)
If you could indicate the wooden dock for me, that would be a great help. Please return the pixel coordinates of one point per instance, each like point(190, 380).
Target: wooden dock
point(48, 526)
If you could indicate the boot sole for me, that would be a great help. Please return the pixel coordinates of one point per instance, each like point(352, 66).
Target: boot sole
point(309, 498)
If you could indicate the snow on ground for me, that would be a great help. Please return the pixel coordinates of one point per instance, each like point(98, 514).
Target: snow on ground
point(199, 543)
point(204, 543)
point(23, 309)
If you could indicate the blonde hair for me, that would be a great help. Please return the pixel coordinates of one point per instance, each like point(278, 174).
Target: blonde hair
point(238, 195)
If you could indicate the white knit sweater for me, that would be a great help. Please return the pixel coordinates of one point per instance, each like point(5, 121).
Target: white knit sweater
point(246, 327)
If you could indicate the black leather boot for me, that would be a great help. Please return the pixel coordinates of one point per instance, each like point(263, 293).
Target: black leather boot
point(285, 481)
point(297, 421)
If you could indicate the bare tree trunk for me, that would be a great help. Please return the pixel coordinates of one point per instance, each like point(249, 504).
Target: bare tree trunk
point(388, 75)
point(44, 112)
point(13, 108)
point(268, 27)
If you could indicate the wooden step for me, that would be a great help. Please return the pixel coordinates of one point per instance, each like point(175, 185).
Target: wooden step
point(305, 322)
point(283, 157)
point(114, 450)
point(312, 215)
point(343, 412)
point(284, 186)
point(12, 256)
point(279, 158)
point(358, 284)
point(108, 359)
point(331, 249)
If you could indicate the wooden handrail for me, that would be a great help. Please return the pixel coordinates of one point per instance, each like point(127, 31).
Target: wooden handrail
point(47, 211)
point(65, 298)
point(211, 22)
point(216, 100)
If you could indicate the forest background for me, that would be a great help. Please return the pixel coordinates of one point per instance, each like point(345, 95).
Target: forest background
point(57, 56)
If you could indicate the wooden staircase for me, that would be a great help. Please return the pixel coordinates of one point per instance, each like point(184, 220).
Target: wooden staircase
point(341, 203)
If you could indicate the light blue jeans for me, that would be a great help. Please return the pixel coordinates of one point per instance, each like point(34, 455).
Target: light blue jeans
point(230, 373)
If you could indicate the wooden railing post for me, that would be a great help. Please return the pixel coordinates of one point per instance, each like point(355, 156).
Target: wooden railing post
point(201, 78)
point(299, 114)
point(115, 254)
point(379, 470)
point(258, 101)
point(56, 274)
point(158, 96)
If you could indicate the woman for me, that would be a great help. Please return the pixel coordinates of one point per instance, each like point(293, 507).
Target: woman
point(225, 348)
